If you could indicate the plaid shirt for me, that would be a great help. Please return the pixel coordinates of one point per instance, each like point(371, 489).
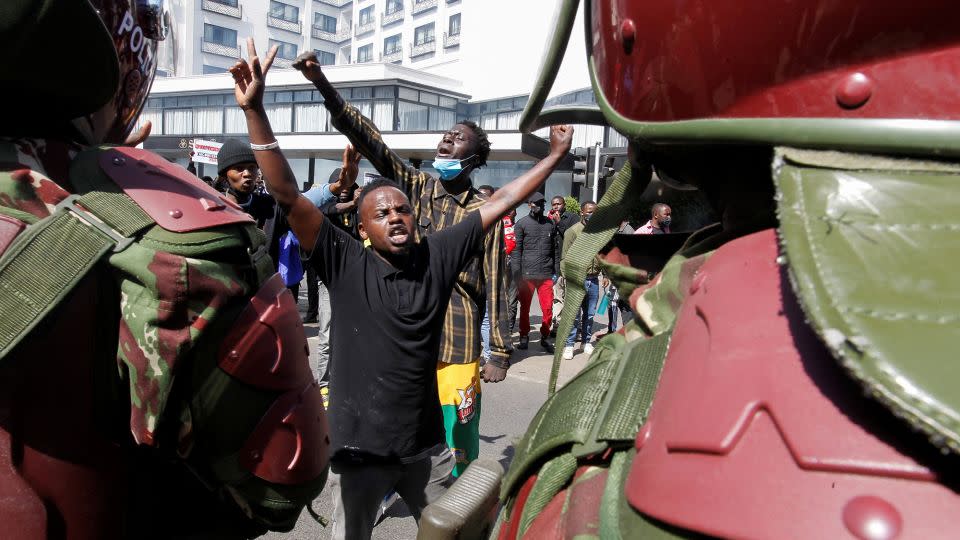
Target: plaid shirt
point(482, 280)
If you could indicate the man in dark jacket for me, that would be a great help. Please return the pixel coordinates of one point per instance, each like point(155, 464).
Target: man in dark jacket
point(560, 216)
point(536, 252)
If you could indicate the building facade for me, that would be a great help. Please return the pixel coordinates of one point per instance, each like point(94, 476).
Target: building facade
point(208, 35)
point(412, 66)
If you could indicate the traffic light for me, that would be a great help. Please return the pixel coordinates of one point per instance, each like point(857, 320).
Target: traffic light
point(607, 171)
point(581, 156)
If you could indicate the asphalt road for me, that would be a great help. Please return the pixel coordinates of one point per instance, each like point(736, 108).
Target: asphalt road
point(508, 408)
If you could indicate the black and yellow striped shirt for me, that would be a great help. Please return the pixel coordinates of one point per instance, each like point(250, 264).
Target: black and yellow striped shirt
point(482, 281)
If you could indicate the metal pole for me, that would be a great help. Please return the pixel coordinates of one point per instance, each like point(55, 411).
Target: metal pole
point(596, 171)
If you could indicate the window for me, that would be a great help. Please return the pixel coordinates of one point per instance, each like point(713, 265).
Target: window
point(231, 3)
point(310, 117)
point(326, 58)
point(413, 117)
point(283, 11)
point(208, 120)
point(280, 116)
point(287, 51)
point(409, 93)
point(453, 28)
point(219, 35)
point(423, 34)
point(212, 70)
point(391, 44)
point(178, 122)
point(394, 6)
point(325, 23)
point(441, 119)
point(366, 16)
point(382, 115)
point(365, 54)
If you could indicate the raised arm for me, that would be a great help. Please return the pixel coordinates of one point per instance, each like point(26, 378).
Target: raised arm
point(523, 186)
point(360, 130)
point(249, 82)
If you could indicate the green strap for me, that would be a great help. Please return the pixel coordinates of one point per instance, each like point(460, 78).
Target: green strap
point(260, 261)
point(602, 407)
point(628, 400)
point(47, 260)
point(612, 209)
point(612, 493)
point(550, 480)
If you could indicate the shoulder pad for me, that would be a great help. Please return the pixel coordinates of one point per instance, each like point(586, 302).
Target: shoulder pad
point(174, 198)
point(871, 244)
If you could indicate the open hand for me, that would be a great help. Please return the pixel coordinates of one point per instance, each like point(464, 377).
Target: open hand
point(249, 77)
point(309, 66)
point(561, 138)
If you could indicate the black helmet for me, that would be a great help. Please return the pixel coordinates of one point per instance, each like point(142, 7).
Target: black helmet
point(87, 61)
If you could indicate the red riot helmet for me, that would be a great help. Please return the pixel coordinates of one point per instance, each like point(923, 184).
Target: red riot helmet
point(135, 28)
point(875, 77)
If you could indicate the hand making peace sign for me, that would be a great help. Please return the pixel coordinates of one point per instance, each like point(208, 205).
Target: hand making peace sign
point(249, 77)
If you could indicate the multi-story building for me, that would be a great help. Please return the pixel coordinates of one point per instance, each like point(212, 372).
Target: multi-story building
point(402, 62)
point(208, 35)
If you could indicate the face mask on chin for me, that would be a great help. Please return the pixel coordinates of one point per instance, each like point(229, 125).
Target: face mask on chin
point(450, 168)
point(664, 222)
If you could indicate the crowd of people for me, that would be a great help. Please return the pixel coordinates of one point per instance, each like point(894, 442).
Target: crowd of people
point(414, 282)
point(444, 316)
point(154, 364)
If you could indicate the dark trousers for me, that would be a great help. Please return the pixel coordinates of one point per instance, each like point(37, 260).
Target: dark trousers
point(313, 292)
point(513, 292)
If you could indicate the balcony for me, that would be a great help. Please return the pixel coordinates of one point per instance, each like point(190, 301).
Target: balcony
point(283, 24)
point(365, 27)
point(222, 50)
point(282, 63)
point(223, 9)
point(338, 37)
point(336, 3)
point(450, 40)
point(419, 6)
point(393, 56)
point(390, 18)
point(422, 49)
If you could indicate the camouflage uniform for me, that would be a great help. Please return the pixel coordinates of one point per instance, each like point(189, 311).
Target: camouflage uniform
point(176, 298)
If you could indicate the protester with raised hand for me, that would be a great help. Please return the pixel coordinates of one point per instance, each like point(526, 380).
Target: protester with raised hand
point(481, 289)
point(386, 426)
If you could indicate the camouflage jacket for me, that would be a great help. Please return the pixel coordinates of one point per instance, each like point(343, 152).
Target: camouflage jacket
point(168, 291)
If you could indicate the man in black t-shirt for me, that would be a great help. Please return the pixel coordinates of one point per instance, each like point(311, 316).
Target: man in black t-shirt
point(386, 428)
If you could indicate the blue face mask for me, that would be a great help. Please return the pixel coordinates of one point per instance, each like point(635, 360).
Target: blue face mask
point(449, 168)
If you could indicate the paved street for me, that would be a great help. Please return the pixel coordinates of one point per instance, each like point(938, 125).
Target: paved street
point(508, 407)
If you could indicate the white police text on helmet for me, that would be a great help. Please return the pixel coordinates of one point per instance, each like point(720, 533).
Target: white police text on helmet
point(138, 41)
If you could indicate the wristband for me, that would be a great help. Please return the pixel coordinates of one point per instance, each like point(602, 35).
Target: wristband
point(268, 146)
